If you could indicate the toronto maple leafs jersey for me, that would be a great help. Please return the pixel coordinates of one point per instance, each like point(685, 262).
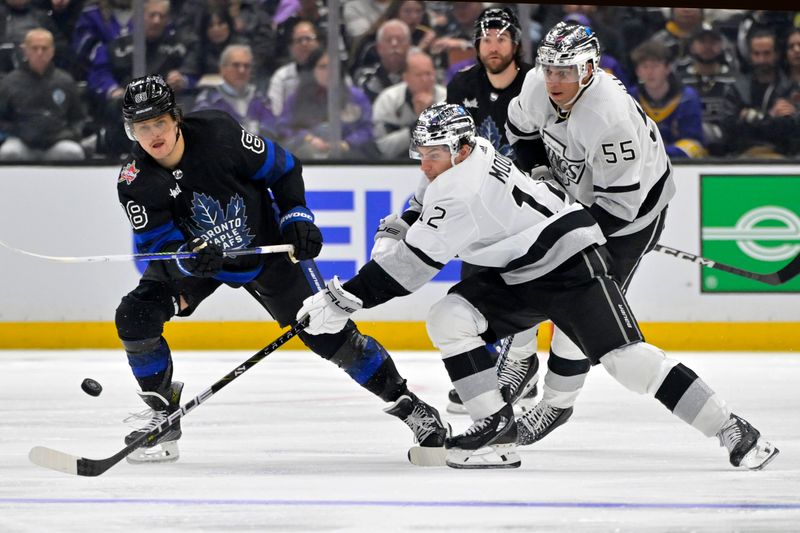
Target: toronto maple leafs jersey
point(487, 212)
point(218, 191)
point(605, 152)
point(488, 106)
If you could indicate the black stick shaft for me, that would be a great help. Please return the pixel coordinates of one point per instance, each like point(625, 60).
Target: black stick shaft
point(785, 274)
point(95, 467)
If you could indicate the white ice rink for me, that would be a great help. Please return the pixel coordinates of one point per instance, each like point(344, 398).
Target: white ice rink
point(295, 445)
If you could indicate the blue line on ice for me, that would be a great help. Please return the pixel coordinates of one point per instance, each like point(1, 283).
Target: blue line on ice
point(400, 503)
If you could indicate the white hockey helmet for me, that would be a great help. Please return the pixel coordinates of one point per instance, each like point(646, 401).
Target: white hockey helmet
point(442, 124)
point(569, 44)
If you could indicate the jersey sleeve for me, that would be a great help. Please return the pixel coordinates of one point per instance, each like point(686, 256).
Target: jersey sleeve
point(615, 157)
point(266, 161)
point(522, 131)
point(443, 229)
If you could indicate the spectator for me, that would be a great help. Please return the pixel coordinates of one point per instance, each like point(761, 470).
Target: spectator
point(64, 15)
point(676, 33)
point(17, 18)
point(793, 57)
point(679, 29)
point(237, 96)
point(413, 13)
point(706, 71)
point(453, 48)
point(305, 40)
point(397, 107)
point(112, 68)
point(359, 15)
point(287, 17)
point(216, 31)
point(770, 123)
point(674, 108)
point(363, 51)
point(100, 22)
point(254, 23)
point(40, 108)
point(304, 123)
point(392, 43)
point(779, 23)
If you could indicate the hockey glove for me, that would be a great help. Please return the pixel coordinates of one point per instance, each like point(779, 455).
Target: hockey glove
point(391, 229)
point(208, 261)
point(298, 229)
point(329, 309)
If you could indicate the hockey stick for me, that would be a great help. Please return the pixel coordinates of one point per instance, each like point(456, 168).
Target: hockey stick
point(81, 466)
point(157, 256)
point(780, 277)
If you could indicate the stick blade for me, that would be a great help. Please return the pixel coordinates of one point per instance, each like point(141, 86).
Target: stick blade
point(54, 460)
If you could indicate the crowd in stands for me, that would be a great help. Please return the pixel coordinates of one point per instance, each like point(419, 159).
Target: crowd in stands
point(718, 82)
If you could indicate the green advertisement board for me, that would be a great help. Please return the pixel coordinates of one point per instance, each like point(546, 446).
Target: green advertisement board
point(751, 222)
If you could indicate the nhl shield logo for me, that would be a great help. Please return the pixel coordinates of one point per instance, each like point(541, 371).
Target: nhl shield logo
point(128, 173)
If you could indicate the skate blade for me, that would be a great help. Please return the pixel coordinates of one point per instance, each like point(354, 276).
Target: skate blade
point(164, 452)
point(495, 456)
point(427, 456)
point(760, 456)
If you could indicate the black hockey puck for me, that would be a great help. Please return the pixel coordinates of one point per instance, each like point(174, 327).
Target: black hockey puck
point(91, 387)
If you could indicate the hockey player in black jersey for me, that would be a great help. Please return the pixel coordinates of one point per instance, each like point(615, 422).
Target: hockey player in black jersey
point(485, 90)
point(202, 183)
point(547, 259)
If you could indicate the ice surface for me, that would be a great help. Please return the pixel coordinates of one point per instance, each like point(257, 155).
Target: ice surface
point(295, 445)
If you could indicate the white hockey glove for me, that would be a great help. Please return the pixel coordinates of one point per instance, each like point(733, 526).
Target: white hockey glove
point(329, 309)
point(391, 229)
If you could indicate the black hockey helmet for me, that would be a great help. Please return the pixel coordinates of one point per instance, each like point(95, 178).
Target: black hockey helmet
point(147, 98)
point(499, 18)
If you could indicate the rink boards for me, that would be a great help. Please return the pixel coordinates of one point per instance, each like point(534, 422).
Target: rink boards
point(745, 215)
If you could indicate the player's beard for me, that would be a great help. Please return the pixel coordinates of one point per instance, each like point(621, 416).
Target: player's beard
point(498, 67)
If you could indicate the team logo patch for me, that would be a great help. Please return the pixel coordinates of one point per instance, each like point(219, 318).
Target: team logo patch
point(227, 227)
point(128, 173)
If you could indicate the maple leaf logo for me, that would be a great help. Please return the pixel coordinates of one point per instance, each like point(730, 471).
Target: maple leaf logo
point(227, 228)
point(489, 130)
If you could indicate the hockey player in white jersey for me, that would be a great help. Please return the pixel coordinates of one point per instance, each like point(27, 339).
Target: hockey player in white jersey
point(605, 152)
point(547, 260)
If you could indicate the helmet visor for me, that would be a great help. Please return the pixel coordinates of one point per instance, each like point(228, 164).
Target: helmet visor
point(559, 73)
point(436, 152)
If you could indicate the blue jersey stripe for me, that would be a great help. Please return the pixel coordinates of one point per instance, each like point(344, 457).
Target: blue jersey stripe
point(153, 240)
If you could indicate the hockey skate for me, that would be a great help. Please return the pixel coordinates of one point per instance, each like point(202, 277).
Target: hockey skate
point(745, 446)
point(520, 378)
point(540, 421)
point(425, 422)
point(456, 406)
point(488, 443)
point(164, 447)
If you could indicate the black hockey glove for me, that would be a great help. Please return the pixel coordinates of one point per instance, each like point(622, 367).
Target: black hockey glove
point(208, 261)
point(298, 229)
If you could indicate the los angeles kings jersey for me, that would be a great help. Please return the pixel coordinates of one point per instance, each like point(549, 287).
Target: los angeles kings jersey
point(487, 212)
point(218, 191)
point(605, 152)
point(471, 89)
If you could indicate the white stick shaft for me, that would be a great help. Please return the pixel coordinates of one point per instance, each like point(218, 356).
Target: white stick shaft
point(159, 256)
